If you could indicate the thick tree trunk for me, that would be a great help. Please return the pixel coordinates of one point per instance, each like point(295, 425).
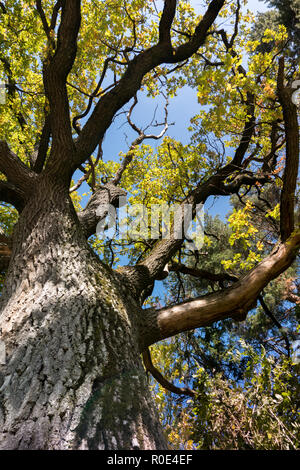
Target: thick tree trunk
point(73, 377)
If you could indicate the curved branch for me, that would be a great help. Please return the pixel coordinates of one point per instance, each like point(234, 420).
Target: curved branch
point(41, 12)
point(201, 273)
point(12, 195)
point(162, 380)
point(89, 172)
point(138, 67)
point(56, 70)
point(141, 137)
point(186, 50)
point(39, 156)
point(103, 196)
point(95, 93)
point(232, 302)
point(287, 201)
point(276, 322)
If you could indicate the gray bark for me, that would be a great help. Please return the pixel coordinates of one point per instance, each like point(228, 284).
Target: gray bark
point(73, 377)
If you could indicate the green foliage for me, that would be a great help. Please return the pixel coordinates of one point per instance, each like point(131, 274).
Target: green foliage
point(246, 387)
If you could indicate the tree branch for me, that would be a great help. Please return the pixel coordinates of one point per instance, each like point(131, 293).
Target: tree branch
point(287, 202)
point(14, 169)
point(39, 156)
point(43, 18)
point(234, 301)
point(91, 215)
point(276, 322)
point(55, 11)
point(141, 137)
point(56, 70)
point(166, 22)
point(201, 273)
point(127, 87)
point(162, 380)
point(186, 50)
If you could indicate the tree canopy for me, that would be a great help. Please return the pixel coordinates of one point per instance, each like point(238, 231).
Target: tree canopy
point(221, 318)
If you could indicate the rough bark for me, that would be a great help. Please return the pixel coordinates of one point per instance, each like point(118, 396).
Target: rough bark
point(73, 377)
point(72, 328)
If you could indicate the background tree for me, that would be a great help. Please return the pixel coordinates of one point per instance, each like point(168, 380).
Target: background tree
point(73, 324)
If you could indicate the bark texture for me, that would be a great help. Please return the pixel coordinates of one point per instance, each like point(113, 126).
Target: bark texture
point(73, 377)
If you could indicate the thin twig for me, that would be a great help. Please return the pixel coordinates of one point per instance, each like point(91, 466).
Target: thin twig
point(162, 380)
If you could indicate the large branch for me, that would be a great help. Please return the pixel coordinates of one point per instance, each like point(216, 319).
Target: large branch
point(56, 70)
point(5, 250)
point(150, 268)
point(92, 214)
point(66, 49)
point(109, 104)
point(233, 302)
point(201, 273)
point(287, 203)
point(12, 195)
point(166, 21)
point(39, 156)
point(149, 366)
point(14, 169)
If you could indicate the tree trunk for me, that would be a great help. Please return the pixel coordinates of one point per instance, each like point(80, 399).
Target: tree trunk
point(73, 377)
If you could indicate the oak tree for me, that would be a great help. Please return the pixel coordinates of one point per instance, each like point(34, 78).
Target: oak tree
point(73, 322)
